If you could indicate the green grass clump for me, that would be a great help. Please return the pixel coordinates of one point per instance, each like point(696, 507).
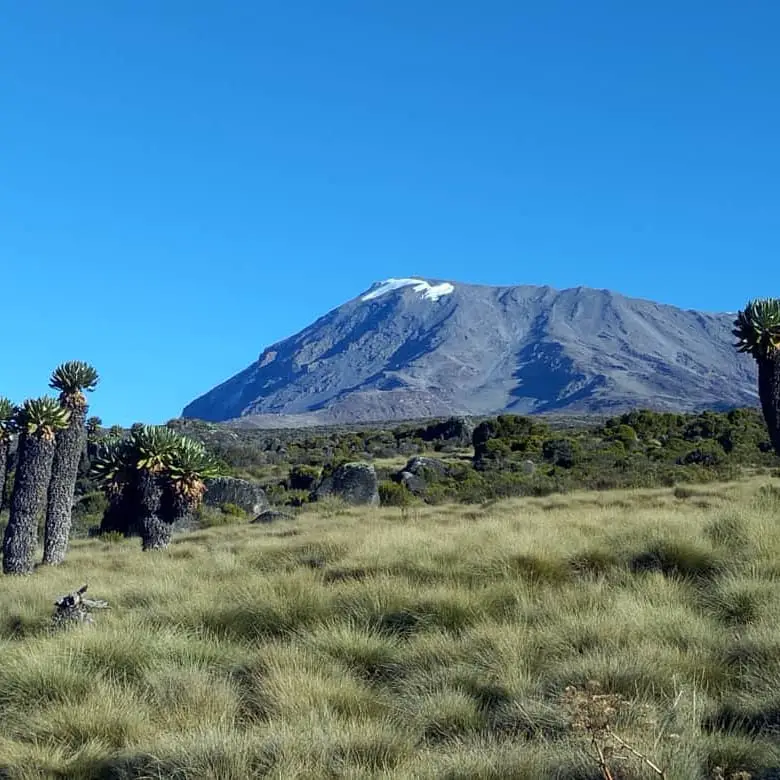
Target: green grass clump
point(499, 641)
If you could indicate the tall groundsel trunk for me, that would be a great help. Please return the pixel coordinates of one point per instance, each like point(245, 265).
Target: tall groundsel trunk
point(769, 393)
point(33, 471)
point(67, 454)
point(5, 446)
point(155, 531)
point(178, 511)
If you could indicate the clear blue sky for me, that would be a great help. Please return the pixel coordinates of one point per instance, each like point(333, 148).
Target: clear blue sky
point(182, 183)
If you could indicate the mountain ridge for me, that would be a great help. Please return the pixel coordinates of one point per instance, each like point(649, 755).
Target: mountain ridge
point(414, 347)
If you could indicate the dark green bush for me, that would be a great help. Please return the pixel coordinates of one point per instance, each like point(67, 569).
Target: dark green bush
point(303, 477)
point(641, 448)
point(393, 494)
point(87, 512)
point(232, 509)
point(559, 452)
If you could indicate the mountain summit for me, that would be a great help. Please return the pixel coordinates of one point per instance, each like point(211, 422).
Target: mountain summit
point(412, 347)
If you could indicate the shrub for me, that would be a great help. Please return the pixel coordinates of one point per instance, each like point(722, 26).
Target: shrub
point(702, 456)
point(296, 497)
point(112, 537)
point(559, 452)
point(393, 494)
point(88, 511)
point(303, 477)
point(626, 435)
point(331, 506)
point(210, 517)
point(232, 509)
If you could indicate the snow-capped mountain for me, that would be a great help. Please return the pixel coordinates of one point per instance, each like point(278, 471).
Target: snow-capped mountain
point(413, 347)
point(431, 292)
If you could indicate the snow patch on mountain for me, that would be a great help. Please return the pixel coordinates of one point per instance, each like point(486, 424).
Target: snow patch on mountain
point(430, 292)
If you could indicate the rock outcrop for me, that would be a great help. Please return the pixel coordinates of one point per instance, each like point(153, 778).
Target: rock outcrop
point(230, 490)
point(271, 516)
point(354, 483)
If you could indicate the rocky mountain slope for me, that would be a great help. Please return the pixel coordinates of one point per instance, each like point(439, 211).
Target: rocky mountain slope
point(411, 348)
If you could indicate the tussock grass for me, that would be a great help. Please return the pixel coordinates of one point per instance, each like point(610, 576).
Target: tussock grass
point(436, 642)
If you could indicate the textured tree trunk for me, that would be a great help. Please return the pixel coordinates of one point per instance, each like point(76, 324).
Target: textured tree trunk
point(155, 531)
point(33, 471)
point(4, 446)
point(178, 512)
point(769, 393)
point(67, 454)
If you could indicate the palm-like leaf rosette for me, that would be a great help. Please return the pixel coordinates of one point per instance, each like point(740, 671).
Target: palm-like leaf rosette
point(189, 467)
point(8, 415)
point(181, 461)
point(71, 379)
point(42, 417)
point(757, 327)
point(112, 467)
point(153, 447)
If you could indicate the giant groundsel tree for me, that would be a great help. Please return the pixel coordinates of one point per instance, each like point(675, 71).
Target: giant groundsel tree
point(38, 421)
point(153, 478)
point(7, 429)
point(757, 328)
point(71, 379)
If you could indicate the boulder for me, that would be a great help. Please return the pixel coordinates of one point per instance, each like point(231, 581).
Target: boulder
point(412, 482)
point(423, 467)
point(272, 515)
point(354, 483)
point(527, 467)
point(457, 430)
point(230, 490)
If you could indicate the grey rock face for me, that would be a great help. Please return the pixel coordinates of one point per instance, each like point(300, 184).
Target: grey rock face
point(355, 483)
point(229, 490)
point(419, 472)
point(480, 350)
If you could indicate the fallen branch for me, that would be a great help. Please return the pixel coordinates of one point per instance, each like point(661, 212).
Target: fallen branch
point(660, 772)
point(75, 608)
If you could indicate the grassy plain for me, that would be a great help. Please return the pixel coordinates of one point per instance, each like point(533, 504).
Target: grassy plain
point(435, 642)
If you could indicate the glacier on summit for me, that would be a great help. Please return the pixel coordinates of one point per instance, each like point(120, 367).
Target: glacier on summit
point(430, 292)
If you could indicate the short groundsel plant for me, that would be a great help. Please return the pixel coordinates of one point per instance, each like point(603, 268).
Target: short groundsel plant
point(592, 713)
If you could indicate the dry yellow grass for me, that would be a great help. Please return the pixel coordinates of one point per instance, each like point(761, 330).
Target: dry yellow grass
point(421, 643)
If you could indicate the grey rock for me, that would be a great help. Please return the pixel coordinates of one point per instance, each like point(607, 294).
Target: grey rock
point(482, 350)
point(355, 483)
point(230, 490)
point(412, 482)
point(272, 515)
point(408, 447)
point(454, 430)
point(421, 466)
point(528, 467)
